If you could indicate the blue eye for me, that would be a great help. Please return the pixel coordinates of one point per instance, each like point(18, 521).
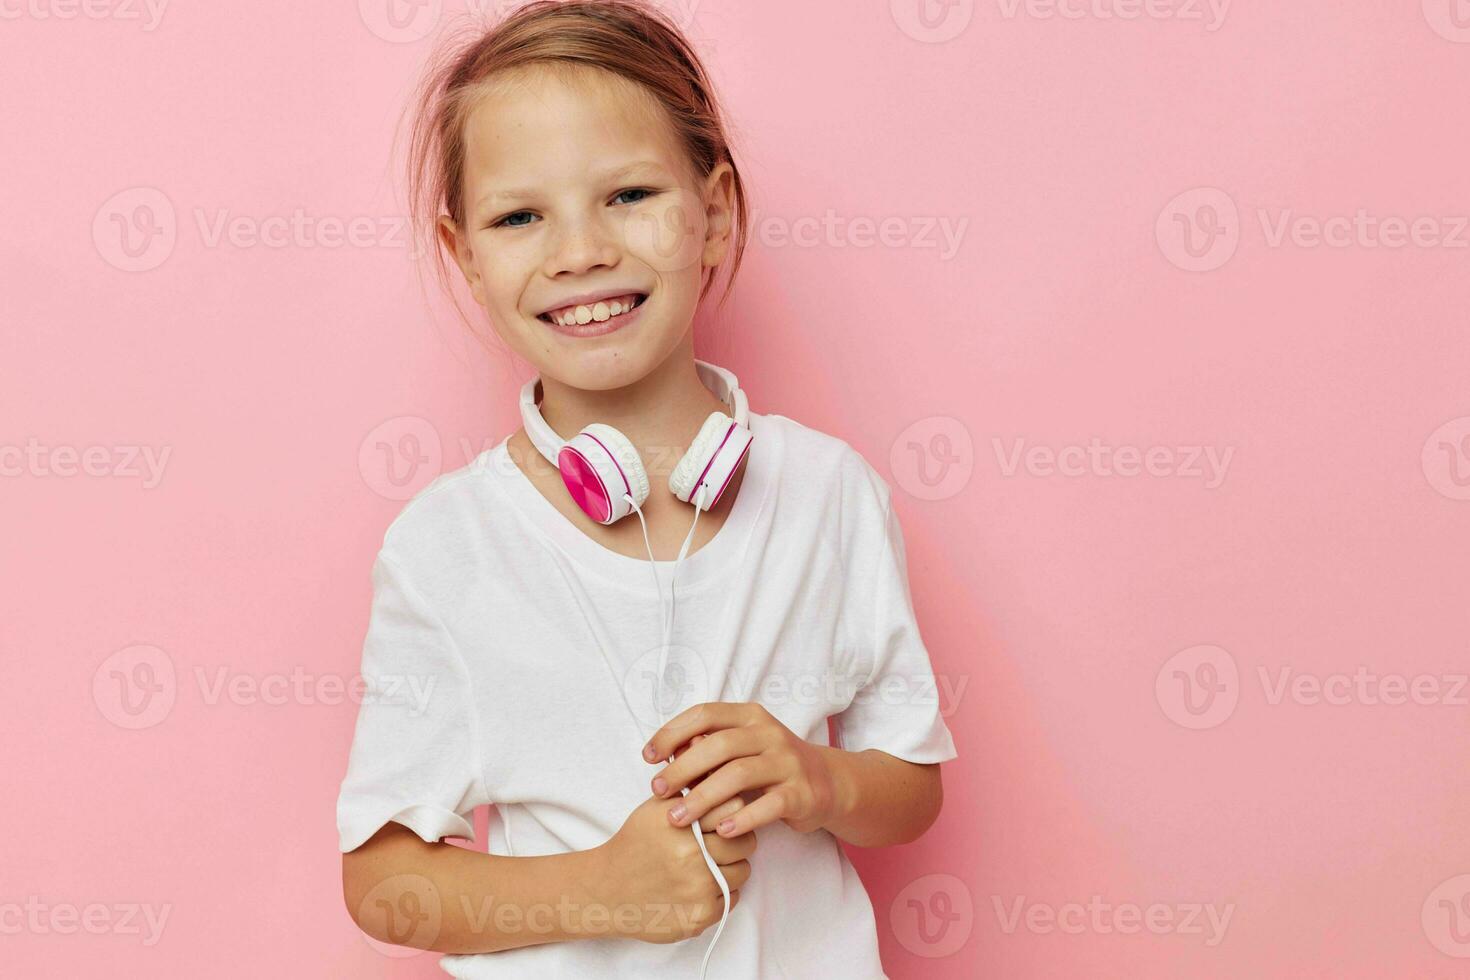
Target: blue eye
point(634, 190)
point(506, 221)
point(509, 220)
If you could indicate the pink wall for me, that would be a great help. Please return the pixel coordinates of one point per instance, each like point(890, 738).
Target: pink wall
point(1187, 517)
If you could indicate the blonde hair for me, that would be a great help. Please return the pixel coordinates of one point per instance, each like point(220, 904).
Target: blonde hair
point(627, 38)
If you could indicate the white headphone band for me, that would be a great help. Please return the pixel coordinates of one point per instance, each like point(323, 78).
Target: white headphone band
point(720, 381)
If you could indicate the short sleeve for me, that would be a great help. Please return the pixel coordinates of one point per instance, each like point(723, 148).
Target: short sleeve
point(415, 756)
point(897, 709)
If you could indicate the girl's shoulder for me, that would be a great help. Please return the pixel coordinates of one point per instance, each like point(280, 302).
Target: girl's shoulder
point(826, 461)
point(439, 516)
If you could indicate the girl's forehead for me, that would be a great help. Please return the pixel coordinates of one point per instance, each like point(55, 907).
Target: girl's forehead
point(537, 125)
point(557, 109)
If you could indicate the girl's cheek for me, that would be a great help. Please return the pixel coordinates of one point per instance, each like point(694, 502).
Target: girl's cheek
point(667, 234)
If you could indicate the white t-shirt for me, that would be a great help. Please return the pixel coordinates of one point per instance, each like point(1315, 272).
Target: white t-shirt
point(508, 655)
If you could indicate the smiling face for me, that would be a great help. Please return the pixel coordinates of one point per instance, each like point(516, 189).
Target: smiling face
point(579, 201)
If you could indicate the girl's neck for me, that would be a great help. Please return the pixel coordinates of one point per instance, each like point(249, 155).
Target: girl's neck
point(660, 414)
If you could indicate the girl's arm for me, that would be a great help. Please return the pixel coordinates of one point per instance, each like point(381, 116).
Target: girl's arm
point(647, 882)
point(397, 886)
point(879, 799)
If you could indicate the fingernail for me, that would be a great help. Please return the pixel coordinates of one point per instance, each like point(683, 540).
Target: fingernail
point(726, 826)
point(677, 813)
point(659, 786)
point(648, 752)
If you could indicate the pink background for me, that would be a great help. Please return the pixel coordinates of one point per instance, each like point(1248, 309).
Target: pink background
point(1091, 763)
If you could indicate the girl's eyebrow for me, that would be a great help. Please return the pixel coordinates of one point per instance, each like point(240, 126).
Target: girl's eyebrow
point(606, 177)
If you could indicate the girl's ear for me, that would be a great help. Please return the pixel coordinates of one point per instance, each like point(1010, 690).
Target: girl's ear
point(456, 245)
point(719, 213)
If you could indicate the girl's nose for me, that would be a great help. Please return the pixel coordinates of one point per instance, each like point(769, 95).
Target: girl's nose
point(584, 248)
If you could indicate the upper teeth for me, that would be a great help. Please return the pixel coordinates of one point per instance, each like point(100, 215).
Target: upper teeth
point(601, 310)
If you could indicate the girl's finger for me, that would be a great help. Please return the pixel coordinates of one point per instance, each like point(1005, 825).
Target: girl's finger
point(768, 809)
point(728, 808)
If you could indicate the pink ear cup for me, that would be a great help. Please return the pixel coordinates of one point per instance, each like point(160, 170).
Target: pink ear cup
point(584, 484)
point(601, 468)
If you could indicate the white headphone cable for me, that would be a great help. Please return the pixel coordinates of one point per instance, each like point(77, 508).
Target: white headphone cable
point(667, 625)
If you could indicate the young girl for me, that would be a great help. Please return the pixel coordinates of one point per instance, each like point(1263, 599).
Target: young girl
point(627, 625)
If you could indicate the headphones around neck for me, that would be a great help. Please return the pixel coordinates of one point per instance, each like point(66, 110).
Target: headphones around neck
point(602, 470)
point(605, 476)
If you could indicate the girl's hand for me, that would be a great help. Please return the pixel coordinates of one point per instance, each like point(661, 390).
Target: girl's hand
point(745, 748)
point(657, 871)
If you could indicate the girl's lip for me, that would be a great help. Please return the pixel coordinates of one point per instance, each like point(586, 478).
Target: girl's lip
point(592, 328)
